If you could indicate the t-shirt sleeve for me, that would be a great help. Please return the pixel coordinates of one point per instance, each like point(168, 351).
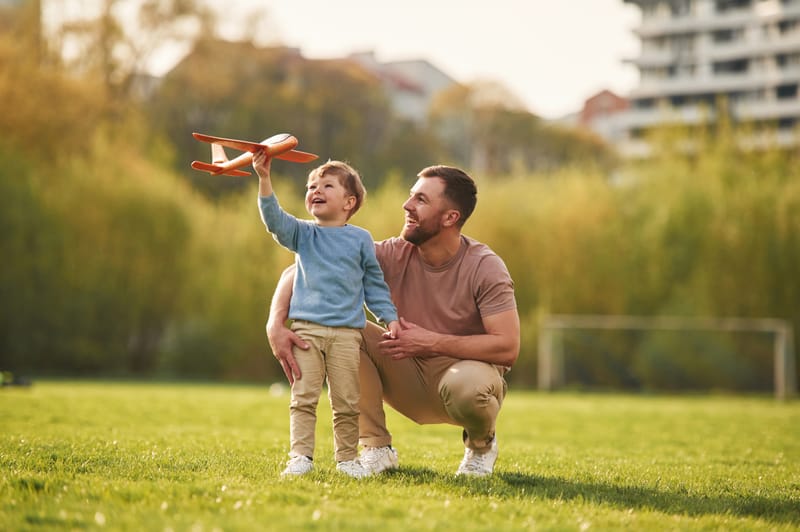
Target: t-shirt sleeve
point(494, 289)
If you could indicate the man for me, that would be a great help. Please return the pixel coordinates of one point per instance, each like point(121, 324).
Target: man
point(459, 335)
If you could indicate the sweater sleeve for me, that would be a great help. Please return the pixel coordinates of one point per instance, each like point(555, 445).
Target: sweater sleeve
point(376, 292)
point(284, 227)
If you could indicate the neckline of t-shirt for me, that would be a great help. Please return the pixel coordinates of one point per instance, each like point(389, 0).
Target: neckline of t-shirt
point(455, 258)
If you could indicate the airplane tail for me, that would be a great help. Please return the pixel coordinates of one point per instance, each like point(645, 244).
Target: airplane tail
point(218, 158)
point(216, 170)
point(218, 155)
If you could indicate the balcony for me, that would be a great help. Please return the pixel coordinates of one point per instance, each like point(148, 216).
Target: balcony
point(664, 27)
point(648, 118)
point(652, 57)
point(716, 84)
point(767, 109)
point(764, 110)
point(787, 43)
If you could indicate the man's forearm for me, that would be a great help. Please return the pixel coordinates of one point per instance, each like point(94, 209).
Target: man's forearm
point(499, 345)
point(493, 349)
point(279, 307)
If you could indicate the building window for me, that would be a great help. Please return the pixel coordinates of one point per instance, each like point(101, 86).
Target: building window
point(787, 60)
point(723, 6)
point(726, 36)
point(681, 8)
point(785, 92)
point(737, 66)
point(788, 26)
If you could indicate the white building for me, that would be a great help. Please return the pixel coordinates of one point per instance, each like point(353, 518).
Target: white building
point(411, 85)
point(695, 51)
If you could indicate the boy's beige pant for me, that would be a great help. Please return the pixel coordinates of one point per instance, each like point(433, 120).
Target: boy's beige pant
point(439, 389)
point(334, 353)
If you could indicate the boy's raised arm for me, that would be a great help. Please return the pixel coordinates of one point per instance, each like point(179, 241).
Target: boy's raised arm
point(261, 164)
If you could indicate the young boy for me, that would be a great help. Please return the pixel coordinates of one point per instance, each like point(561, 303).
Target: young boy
point(337, 272)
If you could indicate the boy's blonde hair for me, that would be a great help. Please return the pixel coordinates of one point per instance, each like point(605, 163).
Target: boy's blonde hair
point(348, 178)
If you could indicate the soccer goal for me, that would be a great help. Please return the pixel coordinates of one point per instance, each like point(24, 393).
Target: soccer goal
point(551, 366)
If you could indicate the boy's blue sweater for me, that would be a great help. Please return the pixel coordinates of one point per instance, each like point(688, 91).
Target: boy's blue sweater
point(337, 271)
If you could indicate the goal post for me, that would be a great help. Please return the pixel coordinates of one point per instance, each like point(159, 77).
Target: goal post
point(551, 356)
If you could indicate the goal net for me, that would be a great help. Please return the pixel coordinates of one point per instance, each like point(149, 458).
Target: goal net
point(673, 353)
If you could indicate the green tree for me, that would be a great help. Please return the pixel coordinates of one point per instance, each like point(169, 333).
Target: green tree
point(492, 134)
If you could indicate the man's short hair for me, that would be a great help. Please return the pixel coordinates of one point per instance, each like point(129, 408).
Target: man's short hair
point(459, 188)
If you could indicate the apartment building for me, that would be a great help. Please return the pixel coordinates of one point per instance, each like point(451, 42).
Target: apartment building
point(695, 51)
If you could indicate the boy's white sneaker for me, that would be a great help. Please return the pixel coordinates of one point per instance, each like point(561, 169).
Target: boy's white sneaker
point(378, 459)
point(353, 468)
point(478, 464)
point(298, 465)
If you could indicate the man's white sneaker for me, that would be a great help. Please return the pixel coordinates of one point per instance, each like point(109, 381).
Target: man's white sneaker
point(378, 459)
point(353, 468)
point(298, 465)
point(478, 464)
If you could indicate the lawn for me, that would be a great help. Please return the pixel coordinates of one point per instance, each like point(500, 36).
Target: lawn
point(154, 456)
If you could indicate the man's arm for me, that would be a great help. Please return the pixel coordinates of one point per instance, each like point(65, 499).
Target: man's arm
point(281, 338)
point(500, 344)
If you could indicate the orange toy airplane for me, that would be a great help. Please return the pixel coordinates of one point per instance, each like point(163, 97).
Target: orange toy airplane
point(280, 146)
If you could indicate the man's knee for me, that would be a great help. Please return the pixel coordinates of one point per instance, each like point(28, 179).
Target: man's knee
point(470, 386)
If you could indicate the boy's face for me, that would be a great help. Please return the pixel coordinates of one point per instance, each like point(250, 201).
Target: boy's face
point(328, 201)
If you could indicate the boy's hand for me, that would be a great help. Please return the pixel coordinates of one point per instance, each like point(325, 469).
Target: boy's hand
point(394, 329)
point(411, 340)
point(261, 164)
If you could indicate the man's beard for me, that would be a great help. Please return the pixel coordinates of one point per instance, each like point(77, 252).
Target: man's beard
point(419, 234)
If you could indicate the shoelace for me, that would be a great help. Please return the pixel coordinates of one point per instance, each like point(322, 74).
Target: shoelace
point(473, 461)
point(373, 457)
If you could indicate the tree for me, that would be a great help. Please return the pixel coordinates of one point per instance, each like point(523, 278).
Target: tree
point(120, 40)
point(487, 130)
point(336, 108)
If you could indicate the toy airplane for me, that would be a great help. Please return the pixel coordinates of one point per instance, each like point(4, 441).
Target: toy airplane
point(280, 146)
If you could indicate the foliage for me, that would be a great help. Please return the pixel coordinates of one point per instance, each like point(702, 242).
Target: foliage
point(116, 46)
point(128, 456)
point(46, 115)
point(493, 138)
point(116, 264)
point(703, 234)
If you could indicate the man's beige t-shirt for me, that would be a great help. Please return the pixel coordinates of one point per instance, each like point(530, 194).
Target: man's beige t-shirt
point(449, 299)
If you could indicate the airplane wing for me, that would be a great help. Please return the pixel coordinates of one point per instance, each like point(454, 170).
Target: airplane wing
point(281, 143)
point(213, 169)
point(241, 145)
point(297, 156)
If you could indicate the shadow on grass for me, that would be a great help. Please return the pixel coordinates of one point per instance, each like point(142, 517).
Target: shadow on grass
point(666, 500)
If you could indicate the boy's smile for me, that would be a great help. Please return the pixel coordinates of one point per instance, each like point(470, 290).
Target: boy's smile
point(328, 201)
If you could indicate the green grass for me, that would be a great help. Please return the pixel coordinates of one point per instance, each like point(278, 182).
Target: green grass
point(120, 456)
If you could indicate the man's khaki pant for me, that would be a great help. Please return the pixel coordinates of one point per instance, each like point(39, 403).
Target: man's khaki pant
point(439, 389)
point(334, 353)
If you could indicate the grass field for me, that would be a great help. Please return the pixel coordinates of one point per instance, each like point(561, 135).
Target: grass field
point(121, 456)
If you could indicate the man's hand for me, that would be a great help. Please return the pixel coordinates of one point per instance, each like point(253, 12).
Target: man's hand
point(281, 341)
point(411, 341)
point(499, 345)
